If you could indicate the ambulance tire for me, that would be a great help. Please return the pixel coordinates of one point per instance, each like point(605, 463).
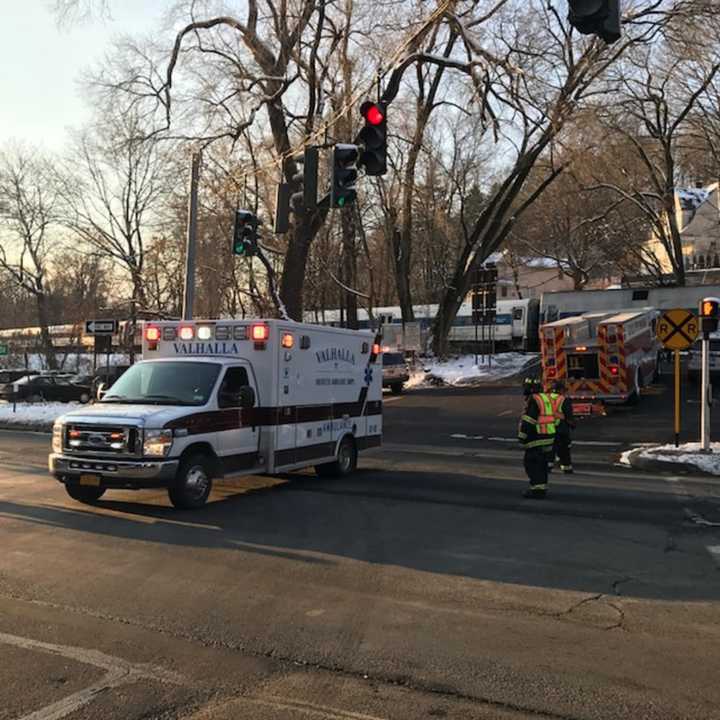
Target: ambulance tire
point(84, 494)
point(634, 398)
point(345, 463)
point(192, 484)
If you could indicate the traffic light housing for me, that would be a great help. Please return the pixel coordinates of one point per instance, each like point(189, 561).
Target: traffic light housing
point(596, 17)
point(245, 236)
point(306, 179)
point(373, 138)
point(709, 314)
point(343, 175)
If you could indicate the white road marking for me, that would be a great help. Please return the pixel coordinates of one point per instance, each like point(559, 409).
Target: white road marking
point(459, 436)
point(714, 551)
point(393, 398)
point(505, 412)
point(119, 672)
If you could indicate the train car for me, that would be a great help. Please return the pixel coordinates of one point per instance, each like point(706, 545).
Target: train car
point(515, 328)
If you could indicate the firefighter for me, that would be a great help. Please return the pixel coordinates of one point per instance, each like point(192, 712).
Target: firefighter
point(565, 422)
point(536, 433)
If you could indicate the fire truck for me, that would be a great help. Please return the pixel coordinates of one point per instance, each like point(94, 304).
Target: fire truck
point(602, 357)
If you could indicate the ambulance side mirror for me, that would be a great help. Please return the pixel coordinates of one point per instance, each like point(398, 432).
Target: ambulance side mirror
point(101, 390)
point(246, 397)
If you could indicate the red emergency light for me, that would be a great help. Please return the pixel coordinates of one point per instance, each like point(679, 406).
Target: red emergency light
point(260, 333)
point(187, 332)
point(614, 370)
point(152, 334)
point(287, 341)
point(376, 349)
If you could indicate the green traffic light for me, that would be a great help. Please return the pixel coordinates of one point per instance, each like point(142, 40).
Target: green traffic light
point(341, 201)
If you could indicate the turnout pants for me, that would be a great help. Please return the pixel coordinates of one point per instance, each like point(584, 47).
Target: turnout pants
point(536, 468)
point(562, 450)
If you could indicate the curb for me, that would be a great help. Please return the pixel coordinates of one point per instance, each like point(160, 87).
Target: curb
point(28, 427)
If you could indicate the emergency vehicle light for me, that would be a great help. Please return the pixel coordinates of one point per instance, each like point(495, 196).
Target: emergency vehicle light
point(260, 333)
point(169, 333)
point(152, 334)
point(581, 348)
point(287, 341)
point(614, 370)
point(204, 332)
point(186, 332)
point(376, 349)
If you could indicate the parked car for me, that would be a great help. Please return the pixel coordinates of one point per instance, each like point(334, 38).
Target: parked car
point(396, 371)
point(13, 374)
point(45, 387)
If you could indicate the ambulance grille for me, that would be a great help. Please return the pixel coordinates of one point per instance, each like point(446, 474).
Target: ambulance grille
point(85, 439)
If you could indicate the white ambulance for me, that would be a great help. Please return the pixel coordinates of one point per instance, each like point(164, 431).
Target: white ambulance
point(222, 398)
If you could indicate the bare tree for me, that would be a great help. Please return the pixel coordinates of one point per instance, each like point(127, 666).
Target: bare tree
point(661, 86)
point(31, 194)
point(115, 193)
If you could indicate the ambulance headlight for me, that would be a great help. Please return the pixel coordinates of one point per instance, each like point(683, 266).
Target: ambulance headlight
point(157, 443)
point(57, 437)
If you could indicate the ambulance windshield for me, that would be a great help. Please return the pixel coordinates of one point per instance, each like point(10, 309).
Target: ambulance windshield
point(165, 383)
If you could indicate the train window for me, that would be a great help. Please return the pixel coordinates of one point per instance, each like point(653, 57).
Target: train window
point(517, 313)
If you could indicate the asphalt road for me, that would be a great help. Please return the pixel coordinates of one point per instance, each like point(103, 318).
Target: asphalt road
point(424, 586)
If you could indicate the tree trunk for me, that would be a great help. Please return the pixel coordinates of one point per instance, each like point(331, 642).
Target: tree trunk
point(48, 349)
point(401, 267)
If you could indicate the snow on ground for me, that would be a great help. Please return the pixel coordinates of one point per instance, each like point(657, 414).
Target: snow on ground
point(462, 370)
point(687, 453)
point(34, 414)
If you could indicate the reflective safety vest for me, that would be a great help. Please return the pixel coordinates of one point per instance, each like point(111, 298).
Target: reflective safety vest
point(547, 420)
point(557, 401)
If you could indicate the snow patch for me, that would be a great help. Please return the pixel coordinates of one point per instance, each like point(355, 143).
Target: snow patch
point(686, 454)
point(692, 198)
point(463, 370)
point(38, 415)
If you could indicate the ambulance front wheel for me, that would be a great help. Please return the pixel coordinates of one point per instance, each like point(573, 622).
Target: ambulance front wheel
point(345, 462)
point(192, 484)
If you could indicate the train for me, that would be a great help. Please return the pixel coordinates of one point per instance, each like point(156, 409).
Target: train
point(515, 328)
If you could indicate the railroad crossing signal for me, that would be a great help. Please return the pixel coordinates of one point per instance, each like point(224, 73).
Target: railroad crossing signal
point(677, 329)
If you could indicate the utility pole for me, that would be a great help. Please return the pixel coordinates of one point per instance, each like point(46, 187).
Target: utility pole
point(189, 293)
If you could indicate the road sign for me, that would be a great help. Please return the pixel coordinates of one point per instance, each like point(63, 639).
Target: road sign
point(4, 350)
point(412, 337)
point(101, 327)
point(677, 329)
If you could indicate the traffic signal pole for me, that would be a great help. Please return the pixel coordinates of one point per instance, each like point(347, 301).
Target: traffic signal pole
point(189, 290)
point(706, 395)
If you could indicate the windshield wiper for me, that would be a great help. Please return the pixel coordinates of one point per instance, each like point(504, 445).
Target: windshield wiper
point(171, 398)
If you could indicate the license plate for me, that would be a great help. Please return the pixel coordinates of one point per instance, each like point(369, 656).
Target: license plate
point(93, 480)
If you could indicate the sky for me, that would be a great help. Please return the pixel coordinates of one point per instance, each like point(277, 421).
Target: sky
point(40, 64)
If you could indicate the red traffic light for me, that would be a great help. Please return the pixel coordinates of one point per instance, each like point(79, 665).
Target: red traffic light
point(372, 113)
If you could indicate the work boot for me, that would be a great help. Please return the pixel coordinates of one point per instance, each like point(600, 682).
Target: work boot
point(567, 469)
point(534, 494)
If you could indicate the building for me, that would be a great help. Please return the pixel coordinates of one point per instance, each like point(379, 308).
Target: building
point(697, 212)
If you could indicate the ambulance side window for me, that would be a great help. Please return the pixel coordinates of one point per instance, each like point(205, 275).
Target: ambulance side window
point(235, 378)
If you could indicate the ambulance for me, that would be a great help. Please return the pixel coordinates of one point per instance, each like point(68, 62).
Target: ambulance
point(602, 357)
point(224, 398)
